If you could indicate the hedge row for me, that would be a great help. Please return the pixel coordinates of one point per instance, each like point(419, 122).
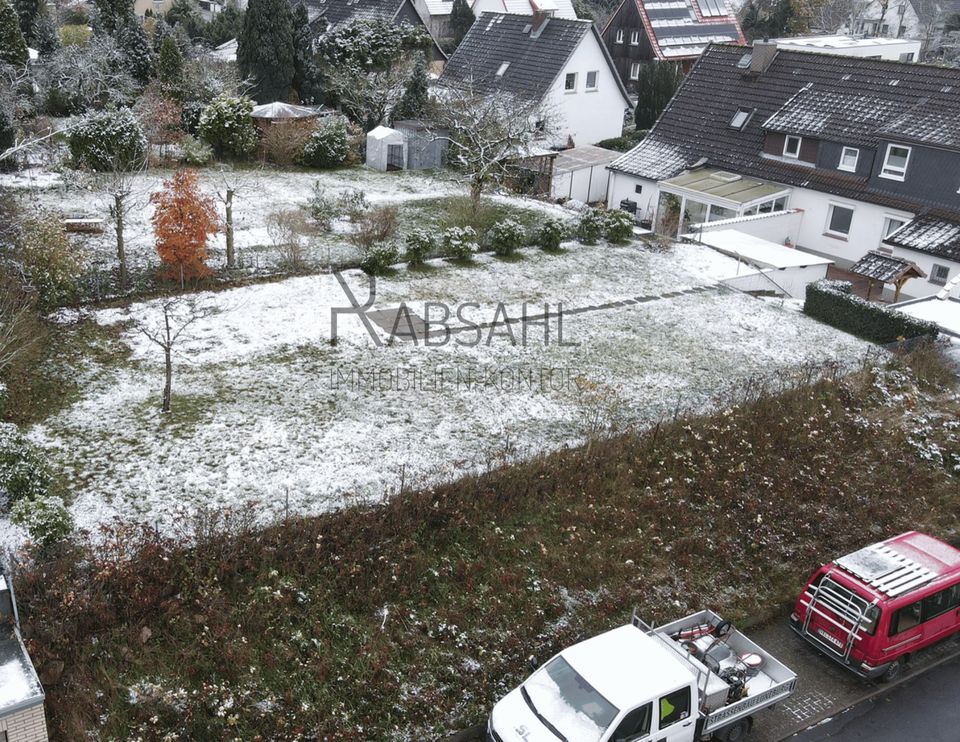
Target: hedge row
point(835, 303)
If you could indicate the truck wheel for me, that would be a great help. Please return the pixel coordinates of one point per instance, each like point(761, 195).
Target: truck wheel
point(735, 732)
point(893, 671)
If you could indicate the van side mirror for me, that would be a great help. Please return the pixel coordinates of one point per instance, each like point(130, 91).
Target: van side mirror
point(533, 662)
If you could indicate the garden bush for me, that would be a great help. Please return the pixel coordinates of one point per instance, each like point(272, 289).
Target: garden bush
point(835, 303)
point(377, 259)
point(227, 126)
point(190, 116)
point(194, 151)
point(507, 236)
point(460, 243)
point(51, 266)
point(353, 203)
point(590, 228)
point(375, 226)
point(551, 233)
point(108, 140)
point(421, 244)
point(283, 145)
point(323, 208)
point(618, 226)
point(327, 146)
point(46, 519)
point(23, 472)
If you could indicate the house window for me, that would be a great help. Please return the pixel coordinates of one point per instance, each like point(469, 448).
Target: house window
point(570, 83)
point(939, 274)
point(906, 56)
point(635, 71)
point(791, 147)
point(634, 38)
point(840, 219)
point(891, 224)
point(895, 162)
point(849, 159)
point(592, 80)
point(638, 188)
point(741, 117)
point(619, 39)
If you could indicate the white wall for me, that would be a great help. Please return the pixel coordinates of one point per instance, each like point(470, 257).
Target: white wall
point(890, 17)
point(917, 287)
point(588, 184)
point(587, 117)
point(777, 227)
point(792, 281)
point(623, 186)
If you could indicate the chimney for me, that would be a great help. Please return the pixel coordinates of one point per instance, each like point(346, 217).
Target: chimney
point(540, 18)
point(762, 56)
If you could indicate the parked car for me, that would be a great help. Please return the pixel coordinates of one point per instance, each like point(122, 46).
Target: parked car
point(694, 679)
point(870, 610)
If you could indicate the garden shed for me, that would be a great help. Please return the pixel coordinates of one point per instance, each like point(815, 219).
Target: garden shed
point(426, 146)
point(386, 149)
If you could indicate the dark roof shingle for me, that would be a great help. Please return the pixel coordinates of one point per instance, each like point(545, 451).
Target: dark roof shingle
point(929, 233)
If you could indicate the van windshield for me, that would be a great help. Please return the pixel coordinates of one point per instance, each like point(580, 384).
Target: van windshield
point(560, 695)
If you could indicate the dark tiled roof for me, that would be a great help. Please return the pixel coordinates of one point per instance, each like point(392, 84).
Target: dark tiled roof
point(934, 122)
point(496, 39)
point(695, 127)
point(847, 117)
point(885, 268)
point(682, 32)
point(929, 233)
point(338, 11)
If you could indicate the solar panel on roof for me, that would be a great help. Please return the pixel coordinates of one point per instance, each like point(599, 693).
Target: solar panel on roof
point(712, 8)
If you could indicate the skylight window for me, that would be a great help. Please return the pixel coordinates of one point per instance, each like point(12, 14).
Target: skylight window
point(741, 118)
point(503, 68)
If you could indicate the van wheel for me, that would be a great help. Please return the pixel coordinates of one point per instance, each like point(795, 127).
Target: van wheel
point(893, 671)
point(735, 732)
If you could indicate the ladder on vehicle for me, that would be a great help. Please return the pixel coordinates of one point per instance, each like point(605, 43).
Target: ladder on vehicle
point(841, 602)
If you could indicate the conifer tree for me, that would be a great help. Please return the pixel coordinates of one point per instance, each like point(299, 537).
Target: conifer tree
point(133, 42)
point(304, 69)
point(461, 18)
point(656, 85)
point(265, 48)
point(29, 12)
point(13, 47)
point(413, 104)
point(170, 67)
point(46, 40)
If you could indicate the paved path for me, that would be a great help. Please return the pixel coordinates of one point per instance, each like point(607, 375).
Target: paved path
point(404, 324)
point(923, 709)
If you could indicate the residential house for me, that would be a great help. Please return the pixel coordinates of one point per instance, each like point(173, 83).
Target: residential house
point(835, 155)
point(899, 50)
point(642, 31)
point(325, 14)
point(155, 7)
point(893, 19)
point(557, 62)
point(437, 12)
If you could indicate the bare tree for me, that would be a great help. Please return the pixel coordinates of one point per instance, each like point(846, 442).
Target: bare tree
point(17, 327)
point(230, 183)
point(832, 16)
point(125, 188)
point(368, 96)
point(487, 132)
point(176, 315)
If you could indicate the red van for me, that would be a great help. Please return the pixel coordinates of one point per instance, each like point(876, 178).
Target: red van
point(873, 608)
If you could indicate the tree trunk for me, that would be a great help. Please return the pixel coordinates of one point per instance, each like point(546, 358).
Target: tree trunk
point(231, 255)
point(121, 248)
point(476, 190)
point(168, 380)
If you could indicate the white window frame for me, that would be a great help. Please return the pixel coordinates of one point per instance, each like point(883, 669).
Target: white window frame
point(786, 143)
point(887, 218)
point(596, 81)
point(619, 38)
point(635, 71)
point(895, 173)
point(634, 38)
point(933, 272)
point(566, 80)
point(832, 233)
point(856, 159)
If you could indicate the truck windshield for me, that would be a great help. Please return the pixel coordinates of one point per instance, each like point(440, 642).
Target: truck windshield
point(571, 705)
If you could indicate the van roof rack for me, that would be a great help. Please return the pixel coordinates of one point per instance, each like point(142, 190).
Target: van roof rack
point(886, 570)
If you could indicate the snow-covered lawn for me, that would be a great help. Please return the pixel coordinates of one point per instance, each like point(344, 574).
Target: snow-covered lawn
point(266, 408)
point(259, 193)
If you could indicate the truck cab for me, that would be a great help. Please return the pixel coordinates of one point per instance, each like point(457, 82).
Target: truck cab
point(639, 684)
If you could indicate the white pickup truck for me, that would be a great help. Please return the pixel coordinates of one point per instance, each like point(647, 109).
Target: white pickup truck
point(694, 679)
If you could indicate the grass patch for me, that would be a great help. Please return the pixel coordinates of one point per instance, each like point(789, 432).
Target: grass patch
point(458, 211)
point(408, 620)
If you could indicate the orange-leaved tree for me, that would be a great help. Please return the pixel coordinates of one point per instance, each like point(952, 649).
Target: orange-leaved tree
point(183, 220)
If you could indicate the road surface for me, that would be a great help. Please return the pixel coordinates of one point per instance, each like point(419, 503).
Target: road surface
point(922, 709)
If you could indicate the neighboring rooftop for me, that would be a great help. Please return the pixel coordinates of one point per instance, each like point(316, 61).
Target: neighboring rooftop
point(719, 185)
point(839, 42)
point(504, 52)
point(803, 91)
point(285, 111)
point(929, 233)
point(19, 685)
point(759, 252)
point(943, 312)
point(886, 268)
point(339, 11)
point(584, 156)
point(680, 29)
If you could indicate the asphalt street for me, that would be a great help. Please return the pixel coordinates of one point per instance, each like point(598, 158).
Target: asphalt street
point(924, 709)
